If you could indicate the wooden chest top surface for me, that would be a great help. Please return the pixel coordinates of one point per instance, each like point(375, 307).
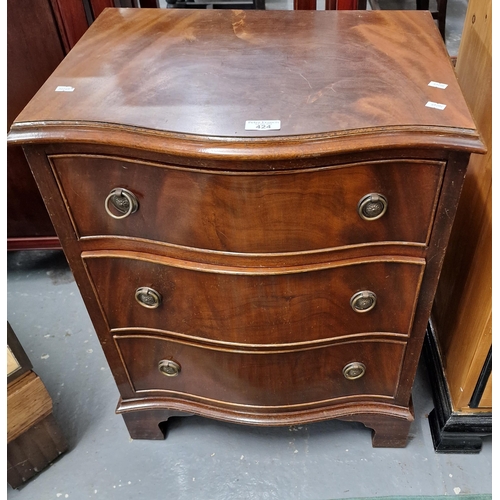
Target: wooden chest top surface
point(207, 72)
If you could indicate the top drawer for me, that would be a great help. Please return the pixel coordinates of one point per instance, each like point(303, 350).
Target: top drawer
point(251, 212)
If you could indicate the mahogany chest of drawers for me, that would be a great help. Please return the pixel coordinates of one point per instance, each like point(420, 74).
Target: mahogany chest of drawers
point(255, 206)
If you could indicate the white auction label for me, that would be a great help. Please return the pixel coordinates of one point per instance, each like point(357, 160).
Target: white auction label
point(262, 124)
point(436, 105)
point(64, 88)
point(438, 85)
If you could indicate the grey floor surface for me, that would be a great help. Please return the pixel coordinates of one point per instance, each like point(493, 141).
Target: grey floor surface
point(201, 458)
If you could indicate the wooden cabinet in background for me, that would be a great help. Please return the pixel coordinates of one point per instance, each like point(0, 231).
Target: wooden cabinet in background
point(39, 34)
point(34, 49)
point(34, 439)
point(461, 331)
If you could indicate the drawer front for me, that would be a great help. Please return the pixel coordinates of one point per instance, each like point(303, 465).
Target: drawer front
point(252, 212)
point(261, 378)
point(249, 308)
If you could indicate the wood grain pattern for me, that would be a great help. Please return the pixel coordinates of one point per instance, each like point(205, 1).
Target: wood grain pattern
point(218, 151)
point(260, 306)
point(487, 398)
point(34, 243)
point(456, 170)
point(389, 431)
point(304, 4)
point(72, 21)
point(29, 64)
point(194, 54)
point(288, 379)
point(197, 208)
point(463, 305)
point(27, 402)
point(142, 415)
point(148, 424)
point(98, 6)
point(12, 363)
point(34, 450)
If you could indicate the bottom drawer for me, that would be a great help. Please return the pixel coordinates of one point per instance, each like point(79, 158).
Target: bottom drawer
point(276, 378)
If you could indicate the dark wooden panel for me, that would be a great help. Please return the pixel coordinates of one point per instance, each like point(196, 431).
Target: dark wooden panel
point(348, 4)
point(304, 4)
point(72, 20)
point(149, 4)
point(34, 243)
point(26, 212)
point(342, 4)
point(252, 308)
point(272, 212)
point(287, 378)
point(98, 6)
point(34, 50)
point(34, 450)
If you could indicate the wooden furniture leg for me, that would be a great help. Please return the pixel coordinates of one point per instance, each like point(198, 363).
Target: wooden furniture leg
point(149, 424)
point(388, 431)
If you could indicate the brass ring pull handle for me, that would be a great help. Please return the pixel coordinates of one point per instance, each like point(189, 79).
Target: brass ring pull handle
point(123, 201)
point(364, 301)
point(353, 371)
point(372, 206)
point(148, 297)
point(169, 368)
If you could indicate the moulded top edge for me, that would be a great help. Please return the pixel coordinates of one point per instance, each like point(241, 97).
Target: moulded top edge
point(248, 148)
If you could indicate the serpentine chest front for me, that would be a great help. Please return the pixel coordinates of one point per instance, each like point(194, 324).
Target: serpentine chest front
point(255, 206)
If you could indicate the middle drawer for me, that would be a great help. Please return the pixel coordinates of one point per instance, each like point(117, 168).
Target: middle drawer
point(254, 305)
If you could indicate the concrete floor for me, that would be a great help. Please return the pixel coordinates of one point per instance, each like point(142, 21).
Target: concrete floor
point(200, 459)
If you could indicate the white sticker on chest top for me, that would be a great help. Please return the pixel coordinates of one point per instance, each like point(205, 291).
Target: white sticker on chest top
point(64, 88)
point(438, 85)
point(435, 105)
point(263, 125)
